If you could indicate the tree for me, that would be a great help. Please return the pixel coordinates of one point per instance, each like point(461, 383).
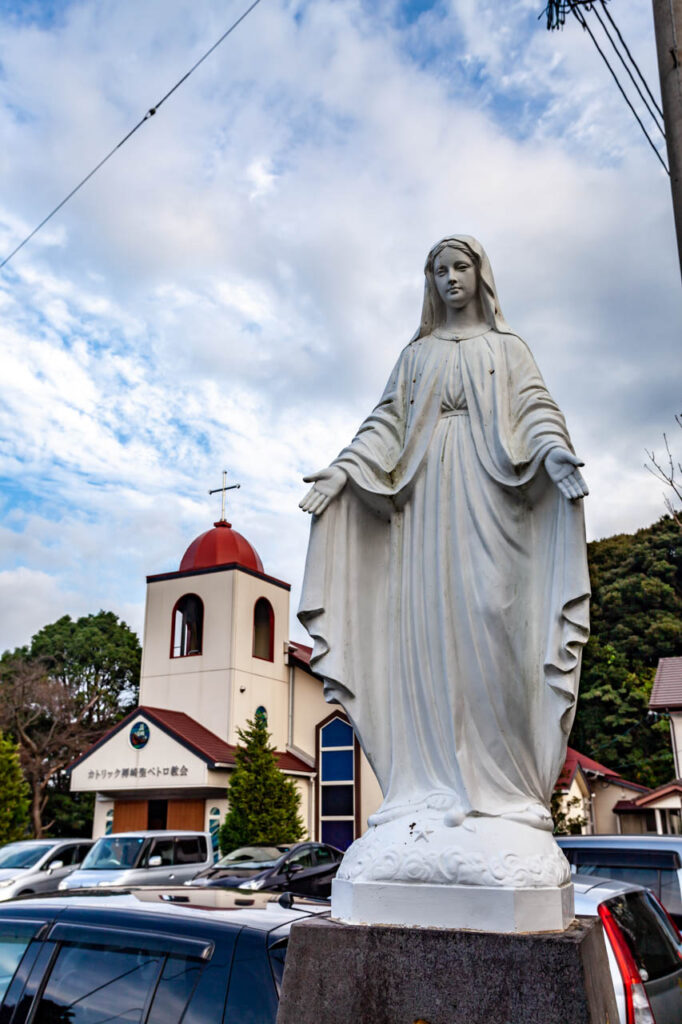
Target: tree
point(636, 614)
point(14, 805)
point(669, 472)
point(57, 696)
point(264, 803)
point(97, 657)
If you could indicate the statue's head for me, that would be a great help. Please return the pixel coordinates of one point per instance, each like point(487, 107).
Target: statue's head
point(470, 253)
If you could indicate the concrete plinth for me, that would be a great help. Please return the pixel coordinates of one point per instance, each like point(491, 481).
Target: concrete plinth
point(495, 909)
point(343, 974)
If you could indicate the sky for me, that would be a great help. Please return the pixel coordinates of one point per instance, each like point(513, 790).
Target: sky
point(234, 286)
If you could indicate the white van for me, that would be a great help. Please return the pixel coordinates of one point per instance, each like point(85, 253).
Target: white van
point(143, 858)
point(650, 860)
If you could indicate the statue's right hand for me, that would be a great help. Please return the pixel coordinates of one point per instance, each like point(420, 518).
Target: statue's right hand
point(327, 484)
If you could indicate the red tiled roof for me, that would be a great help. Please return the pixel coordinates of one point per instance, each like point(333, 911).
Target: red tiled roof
point(196, 737)
point(301, 652)
point(575, 758)
point(655, 794)
point(667, 688)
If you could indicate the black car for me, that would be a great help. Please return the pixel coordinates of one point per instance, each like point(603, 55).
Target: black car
point(152, 956)
point(303, 868)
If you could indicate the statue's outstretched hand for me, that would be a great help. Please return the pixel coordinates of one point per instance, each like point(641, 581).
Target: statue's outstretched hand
point(562, 468)
point(327, 483)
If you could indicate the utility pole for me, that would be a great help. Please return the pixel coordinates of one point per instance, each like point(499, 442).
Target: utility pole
point(668, 26)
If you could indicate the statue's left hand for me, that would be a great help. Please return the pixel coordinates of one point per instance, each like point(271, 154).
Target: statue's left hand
point(327, 483)
point(562, 468)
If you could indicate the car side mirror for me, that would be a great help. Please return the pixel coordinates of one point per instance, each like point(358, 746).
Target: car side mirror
point(155, 862)
point(55, 866)
point(293, 869)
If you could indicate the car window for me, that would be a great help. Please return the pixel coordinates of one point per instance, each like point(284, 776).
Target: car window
point(23, 855)
point(175, 988)
point(66, 854)
point(252, 995)
point(162, 848)
point(188, 850)
point(113, 853)
point(302, 857)
point(324, 855)
point(87, 986)
point(647, 877)
point(14, 940)
point(83, 851)
point(650, 942)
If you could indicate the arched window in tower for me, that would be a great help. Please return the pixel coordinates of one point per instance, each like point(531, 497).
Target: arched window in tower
point(188, 626)
point(263, 630)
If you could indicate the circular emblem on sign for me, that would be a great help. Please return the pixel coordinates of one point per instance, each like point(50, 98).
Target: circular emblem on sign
point(139, 735)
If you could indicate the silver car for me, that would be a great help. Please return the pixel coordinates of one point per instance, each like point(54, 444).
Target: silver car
point(143, 858)
point(38, 865)
point(643, 946)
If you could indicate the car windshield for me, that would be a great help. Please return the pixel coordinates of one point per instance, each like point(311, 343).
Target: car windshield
point(23, 855)
point(113, 853)
point(256, 857)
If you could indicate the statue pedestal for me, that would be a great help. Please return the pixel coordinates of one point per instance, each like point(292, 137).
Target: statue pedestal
point(343, 974)
point(478, 907)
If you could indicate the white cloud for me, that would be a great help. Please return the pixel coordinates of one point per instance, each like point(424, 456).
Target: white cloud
point(233, 287)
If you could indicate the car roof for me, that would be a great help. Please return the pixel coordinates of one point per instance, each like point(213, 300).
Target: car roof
point(146, 832)
point(46, 842)
point(647, 842)
point(265, 913)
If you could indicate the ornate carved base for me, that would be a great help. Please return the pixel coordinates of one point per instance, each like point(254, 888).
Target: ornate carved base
point(479, 852)
point(475, 907)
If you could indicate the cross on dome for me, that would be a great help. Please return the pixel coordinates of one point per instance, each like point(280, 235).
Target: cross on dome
point(224, 489)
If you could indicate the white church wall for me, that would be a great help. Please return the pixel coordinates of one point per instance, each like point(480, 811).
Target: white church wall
point(99, 821)
point(310, 708)
point(162, 764)
point(253, 690)
point(198, 685)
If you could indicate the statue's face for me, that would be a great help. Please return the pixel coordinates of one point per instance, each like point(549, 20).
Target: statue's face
point(456, 278)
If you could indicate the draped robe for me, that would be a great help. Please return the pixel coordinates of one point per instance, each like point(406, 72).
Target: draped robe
point(446, 587)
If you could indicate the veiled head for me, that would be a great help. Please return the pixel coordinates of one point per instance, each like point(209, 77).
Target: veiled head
point(434, 310)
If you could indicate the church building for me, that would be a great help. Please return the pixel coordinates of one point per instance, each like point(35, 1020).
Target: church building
point(216, 653)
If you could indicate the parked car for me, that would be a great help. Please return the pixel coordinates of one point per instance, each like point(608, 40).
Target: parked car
point(643, 946)
point(303, 868)
point(144, 956)
point(649, 860)
point(38, 865)
point(143, 858)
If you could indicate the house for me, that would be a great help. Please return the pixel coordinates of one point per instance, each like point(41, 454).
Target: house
point(215, 653)
point(589, 794)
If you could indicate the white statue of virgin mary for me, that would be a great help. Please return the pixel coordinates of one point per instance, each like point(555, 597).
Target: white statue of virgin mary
point(446, 591)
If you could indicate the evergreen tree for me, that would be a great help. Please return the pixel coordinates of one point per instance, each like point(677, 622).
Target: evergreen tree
point(14, 805)
point(264, 803)
point(636, 618)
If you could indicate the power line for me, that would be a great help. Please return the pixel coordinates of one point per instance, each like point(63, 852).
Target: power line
point(632, 59)
point(150, 113)
point(643, 98)
point(581, 21)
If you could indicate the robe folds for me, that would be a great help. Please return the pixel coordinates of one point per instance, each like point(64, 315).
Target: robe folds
point(446, 587)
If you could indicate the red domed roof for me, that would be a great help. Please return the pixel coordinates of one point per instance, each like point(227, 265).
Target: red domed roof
point(220, 546)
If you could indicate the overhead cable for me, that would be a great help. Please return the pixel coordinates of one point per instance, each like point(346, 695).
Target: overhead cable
point(150, 113)
point(582, 21)
point(632, 59)
point(643, 98)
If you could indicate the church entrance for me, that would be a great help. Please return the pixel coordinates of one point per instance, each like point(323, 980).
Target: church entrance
point(138, 815)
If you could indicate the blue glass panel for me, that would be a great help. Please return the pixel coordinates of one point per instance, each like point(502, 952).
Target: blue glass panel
point(337, 765)
point(337, 734)
point(337, 833)
point(337, 801)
